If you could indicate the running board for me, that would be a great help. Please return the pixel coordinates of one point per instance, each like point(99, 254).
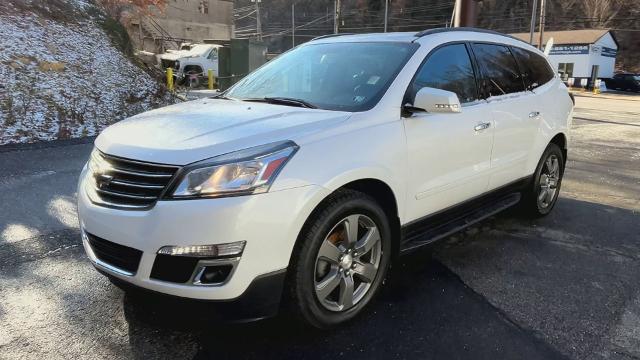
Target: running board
point(448, 222)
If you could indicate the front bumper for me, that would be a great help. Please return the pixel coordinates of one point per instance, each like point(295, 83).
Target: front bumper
point(269, 223)
point(261, 300)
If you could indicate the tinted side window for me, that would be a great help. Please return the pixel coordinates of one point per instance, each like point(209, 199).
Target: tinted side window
point(535, 69)
point(501, 74)
point(448, 68)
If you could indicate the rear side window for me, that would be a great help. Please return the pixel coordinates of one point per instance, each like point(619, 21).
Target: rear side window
point(535, 69)
point(447, 68)
point(500, 71)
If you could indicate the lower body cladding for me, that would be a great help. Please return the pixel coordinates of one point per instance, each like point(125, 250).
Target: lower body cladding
point(231, 251)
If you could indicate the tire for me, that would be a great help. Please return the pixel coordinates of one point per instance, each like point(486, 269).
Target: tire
point(330, 282)
point(541, 195)
point(192, 80)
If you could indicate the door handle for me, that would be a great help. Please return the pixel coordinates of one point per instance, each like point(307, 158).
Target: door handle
point(482, 126)
point(534, 114)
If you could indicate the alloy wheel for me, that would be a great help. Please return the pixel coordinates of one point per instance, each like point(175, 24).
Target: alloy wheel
point(347, 262)
point(549, 179)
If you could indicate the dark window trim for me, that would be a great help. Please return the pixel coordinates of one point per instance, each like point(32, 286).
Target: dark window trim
point(405, 98)
point(483, 91)
point(547, 65)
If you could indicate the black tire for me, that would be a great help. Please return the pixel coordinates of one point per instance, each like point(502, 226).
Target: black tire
point(531, 204)
point(303, 298)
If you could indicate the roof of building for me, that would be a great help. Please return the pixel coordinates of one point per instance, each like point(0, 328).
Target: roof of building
point(587, 36)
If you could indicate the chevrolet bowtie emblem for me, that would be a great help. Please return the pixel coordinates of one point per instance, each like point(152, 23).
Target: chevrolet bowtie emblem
point(103, 180)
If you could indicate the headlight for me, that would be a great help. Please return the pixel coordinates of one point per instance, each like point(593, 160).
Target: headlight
point(248, 171)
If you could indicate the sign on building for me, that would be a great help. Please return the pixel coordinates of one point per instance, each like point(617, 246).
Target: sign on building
point(608, 52)
point(569, 49)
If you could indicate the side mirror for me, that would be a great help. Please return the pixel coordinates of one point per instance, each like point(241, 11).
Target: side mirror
point(435, 101)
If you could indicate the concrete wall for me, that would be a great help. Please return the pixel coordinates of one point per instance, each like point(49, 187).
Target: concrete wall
point(185, 19)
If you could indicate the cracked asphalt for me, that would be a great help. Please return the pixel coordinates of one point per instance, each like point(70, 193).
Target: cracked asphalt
point(562, 287)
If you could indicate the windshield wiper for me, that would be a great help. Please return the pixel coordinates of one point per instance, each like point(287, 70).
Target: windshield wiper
point(221, 95)
point(284, 101)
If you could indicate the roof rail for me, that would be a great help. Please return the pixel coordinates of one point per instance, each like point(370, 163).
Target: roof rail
point(472, 29)
point(330, 35)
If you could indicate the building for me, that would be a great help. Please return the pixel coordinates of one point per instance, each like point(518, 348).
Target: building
point(183, 21)
point(580, 54)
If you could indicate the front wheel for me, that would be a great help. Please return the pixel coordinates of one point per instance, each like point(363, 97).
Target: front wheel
point(341, 259)
point(541, 195)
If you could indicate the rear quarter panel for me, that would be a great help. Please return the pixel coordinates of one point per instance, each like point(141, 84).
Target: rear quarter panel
point(556, 117)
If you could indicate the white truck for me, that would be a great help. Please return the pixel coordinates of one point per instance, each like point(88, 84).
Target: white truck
point(191, 67)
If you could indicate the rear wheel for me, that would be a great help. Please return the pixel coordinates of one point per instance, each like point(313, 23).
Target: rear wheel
point(341, 259)
point(541, 195)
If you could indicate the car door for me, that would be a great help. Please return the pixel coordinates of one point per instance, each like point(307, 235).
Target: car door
point(212, 61)
point(516, 113)
point(448, 154)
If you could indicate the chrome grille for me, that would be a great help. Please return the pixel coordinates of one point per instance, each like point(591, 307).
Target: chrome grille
point(124, 183)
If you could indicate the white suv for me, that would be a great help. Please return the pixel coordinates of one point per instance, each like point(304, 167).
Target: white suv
point(304, 180)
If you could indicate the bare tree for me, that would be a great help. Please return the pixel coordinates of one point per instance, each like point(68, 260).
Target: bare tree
point(601, 13)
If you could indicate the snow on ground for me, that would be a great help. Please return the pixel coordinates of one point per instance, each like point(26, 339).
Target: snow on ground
point(65, 79)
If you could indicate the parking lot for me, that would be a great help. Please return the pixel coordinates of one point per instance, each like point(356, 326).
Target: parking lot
point(565, 286)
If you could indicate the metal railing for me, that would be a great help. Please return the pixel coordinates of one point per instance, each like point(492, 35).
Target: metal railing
point(157, 32)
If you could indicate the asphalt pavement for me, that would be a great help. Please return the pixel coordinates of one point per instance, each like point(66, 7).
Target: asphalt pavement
point(565, 286)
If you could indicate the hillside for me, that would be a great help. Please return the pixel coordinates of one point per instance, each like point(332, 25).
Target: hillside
point(315, 18)
point(66, 72)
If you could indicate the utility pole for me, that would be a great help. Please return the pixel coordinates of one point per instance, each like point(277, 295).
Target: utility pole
point(533, 21)
point(466, 13)
point(542, 20)
point(258, 23)
point(293, 25)
point(453, 14)
point(336, 16)
point(386, 14)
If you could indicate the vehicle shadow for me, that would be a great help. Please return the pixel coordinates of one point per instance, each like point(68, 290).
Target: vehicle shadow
point(571, 276)
point(424, 311)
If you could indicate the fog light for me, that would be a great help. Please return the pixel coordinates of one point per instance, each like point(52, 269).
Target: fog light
point(218, 250)
point(215, 274)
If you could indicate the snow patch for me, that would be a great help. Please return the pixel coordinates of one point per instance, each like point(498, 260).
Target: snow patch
point(62, 80)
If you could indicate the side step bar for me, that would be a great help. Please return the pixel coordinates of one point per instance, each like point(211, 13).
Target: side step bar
point(448, 222)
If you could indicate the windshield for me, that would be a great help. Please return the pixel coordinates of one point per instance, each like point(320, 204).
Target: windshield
point(637, 77)
point(335, 76)
point(199, 50)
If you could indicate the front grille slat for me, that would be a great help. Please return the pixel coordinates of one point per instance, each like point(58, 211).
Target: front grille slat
point(137, 185)
point(119, 256)
point(126, 183)
point(125, 195)
point(140, 173)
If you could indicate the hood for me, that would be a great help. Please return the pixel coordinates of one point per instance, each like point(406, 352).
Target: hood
point(172, 56)
point(196, 130)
